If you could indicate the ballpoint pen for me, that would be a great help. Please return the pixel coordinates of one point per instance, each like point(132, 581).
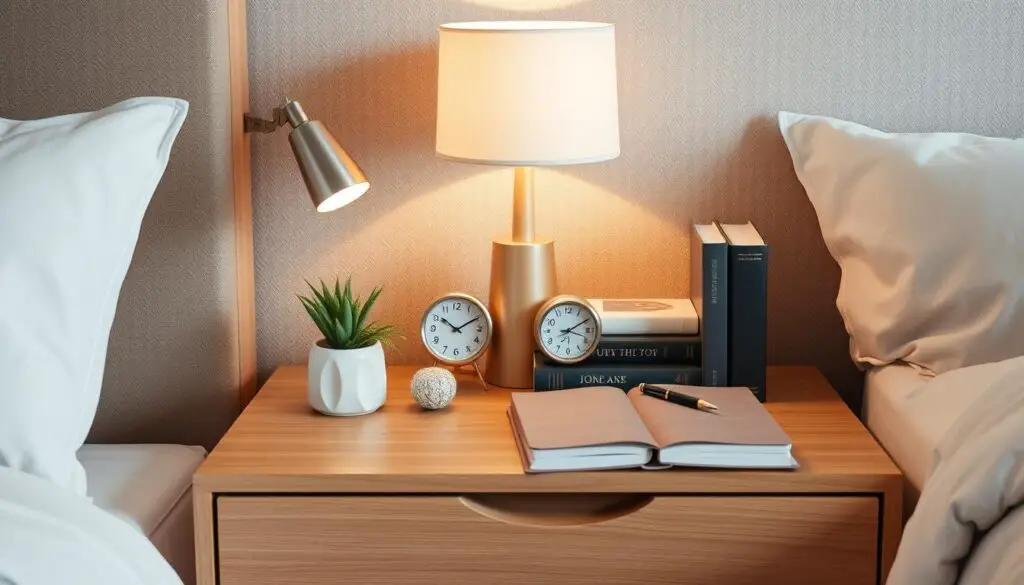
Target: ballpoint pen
point(677, 397)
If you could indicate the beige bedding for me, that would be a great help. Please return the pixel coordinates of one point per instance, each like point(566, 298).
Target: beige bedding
point(967, 527)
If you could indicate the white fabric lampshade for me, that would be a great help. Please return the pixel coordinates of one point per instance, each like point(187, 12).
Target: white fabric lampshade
point(527, 93)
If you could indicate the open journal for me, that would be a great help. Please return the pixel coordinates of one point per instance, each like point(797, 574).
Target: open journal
point(604, 428)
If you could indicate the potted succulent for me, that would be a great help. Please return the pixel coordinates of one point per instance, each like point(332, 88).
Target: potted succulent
point(347, 376)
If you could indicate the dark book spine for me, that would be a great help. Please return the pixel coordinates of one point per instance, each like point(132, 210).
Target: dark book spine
point(709, 278)
point(552, 376)
point(748, 317)
point(647, 349)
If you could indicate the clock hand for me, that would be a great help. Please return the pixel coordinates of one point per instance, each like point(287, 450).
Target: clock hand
point(454, 328)
point(459, 328)
point(574, 333)
point(570, 330)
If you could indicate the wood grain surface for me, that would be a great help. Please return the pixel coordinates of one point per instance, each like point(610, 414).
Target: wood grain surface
point(419, 540)
point(402, 480)
point(241, 179)
point(280, 444)
point(205, 538)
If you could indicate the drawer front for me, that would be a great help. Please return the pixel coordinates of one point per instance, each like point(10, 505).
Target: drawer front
point(559, 540)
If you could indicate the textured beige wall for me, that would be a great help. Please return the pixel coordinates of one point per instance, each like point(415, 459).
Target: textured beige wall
point(171, 372)
point(699, 81)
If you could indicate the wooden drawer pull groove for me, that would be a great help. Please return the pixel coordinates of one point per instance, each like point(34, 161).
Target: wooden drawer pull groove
point(555, 510)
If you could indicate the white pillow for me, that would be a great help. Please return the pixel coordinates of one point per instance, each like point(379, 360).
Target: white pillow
point(73, 190)
point(928, 230)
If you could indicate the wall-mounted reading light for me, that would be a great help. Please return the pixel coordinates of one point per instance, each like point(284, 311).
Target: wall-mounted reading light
point(332, 178)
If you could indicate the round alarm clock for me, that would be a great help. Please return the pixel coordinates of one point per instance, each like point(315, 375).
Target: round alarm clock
point(456, 330)
point(567, 329)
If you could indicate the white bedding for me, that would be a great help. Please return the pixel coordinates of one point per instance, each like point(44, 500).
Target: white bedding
point(149, 487)
point(49, 534)
point(908, 419)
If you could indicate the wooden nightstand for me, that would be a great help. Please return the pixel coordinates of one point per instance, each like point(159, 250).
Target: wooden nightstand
point(406, 496)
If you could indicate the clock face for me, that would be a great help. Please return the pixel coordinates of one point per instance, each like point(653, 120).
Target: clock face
point(456, 329)
point(568, 330)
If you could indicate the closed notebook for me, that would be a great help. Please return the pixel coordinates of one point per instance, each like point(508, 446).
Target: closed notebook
point(604, 428)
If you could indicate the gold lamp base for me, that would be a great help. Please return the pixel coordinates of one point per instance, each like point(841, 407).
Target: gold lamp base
point(522, 278)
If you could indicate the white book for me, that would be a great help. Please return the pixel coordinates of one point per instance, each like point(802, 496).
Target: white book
point(646, 316)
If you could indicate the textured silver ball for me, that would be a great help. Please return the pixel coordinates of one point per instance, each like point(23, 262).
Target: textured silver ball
point(433, 388)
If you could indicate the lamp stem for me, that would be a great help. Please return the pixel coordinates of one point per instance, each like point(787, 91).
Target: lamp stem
point(522, 206)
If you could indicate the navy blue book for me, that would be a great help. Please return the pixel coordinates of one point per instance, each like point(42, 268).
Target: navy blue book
point(548, 375)
point(709, 291)
point(748, 308)
point(647, 349)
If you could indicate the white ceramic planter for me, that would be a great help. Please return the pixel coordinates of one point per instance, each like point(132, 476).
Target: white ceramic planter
point(347, 382)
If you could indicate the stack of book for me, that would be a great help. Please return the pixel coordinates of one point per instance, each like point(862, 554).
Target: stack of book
point(718, 337)
point(729, 287)
point(643, 340)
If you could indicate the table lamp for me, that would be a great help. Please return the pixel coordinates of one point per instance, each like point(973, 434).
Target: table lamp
point(525, 94)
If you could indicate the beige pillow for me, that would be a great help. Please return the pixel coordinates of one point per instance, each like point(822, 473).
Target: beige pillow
point(928, 230)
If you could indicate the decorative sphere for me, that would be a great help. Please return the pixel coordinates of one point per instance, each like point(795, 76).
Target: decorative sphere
point(433, 388)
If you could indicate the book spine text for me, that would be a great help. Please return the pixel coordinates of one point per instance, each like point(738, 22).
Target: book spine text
point(683, 349)
point(715, 318)
point(548, 376)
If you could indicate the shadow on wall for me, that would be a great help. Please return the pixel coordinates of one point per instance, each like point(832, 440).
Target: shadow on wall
point(756, 182)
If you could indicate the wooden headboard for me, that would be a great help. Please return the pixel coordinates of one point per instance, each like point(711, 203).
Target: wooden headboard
point(182, 355)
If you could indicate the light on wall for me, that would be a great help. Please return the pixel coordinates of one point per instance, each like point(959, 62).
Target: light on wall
point(526, 5)
point(332, 178)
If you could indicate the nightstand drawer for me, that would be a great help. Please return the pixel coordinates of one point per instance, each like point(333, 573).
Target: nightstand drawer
point(547, 539)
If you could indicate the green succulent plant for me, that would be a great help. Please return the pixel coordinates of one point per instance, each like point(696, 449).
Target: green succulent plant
point(343, 319)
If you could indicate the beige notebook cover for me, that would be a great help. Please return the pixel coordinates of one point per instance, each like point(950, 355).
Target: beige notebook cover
point(602, 428)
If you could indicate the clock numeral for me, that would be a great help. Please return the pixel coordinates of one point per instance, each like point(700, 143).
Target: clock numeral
point(433, 328)
point(445, 350)
point(558, 312)
point(455, 351)
point(549, 340)
point(547, 331)
point(567, 351)
point(479, 328)
point(468, 349)
point(551, 322)
point(578, 348)
point(476, 340)
point(457, 307)
point(587, 330)
point(436, 318)
point(437, 339)
point(444, 308)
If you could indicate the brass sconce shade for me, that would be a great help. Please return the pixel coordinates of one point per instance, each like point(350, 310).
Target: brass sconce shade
point(332, 178)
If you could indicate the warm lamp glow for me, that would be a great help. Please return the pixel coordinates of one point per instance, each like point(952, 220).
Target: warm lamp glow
point(343, 197)
point(527, 93)
point(526, 5)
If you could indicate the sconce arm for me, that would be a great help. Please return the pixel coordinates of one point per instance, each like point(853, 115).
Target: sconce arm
point(256, 124)
point(290, 113)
